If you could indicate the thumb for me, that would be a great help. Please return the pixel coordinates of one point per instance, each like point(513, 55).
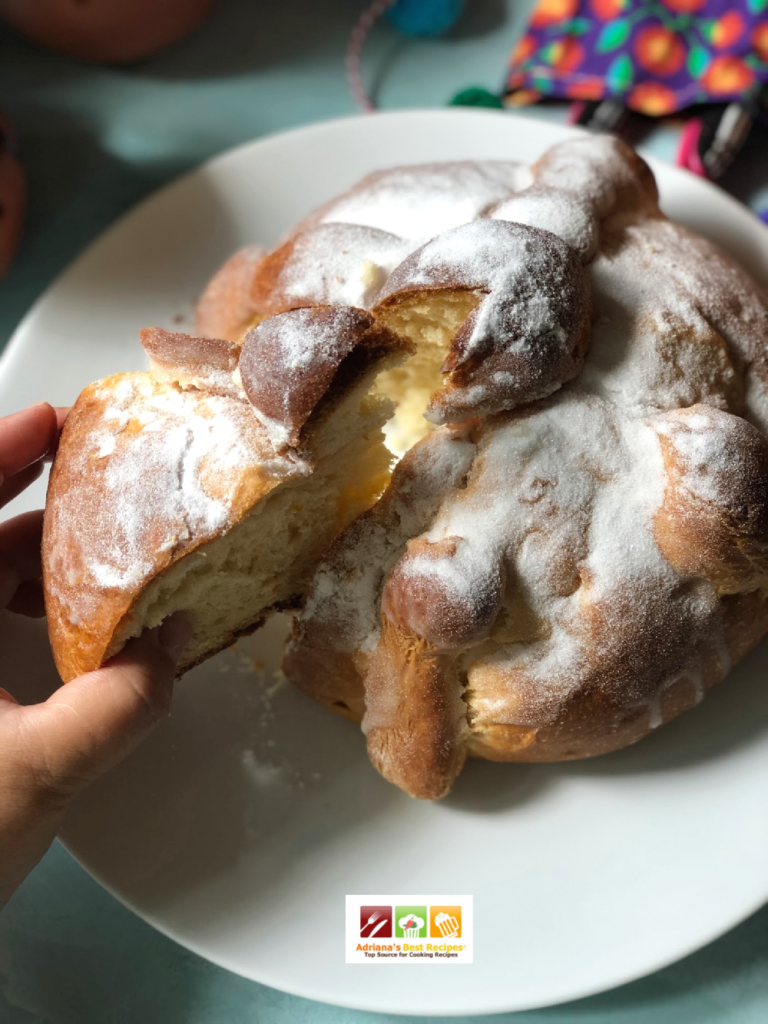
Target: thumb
point(87, 726)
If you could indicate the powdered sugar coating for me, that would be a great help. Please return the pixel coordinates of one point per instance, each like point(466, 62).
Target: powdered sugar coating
point(669, 333)
point(345, 252)
point(604, 173)
point(566, 499)
point(707, 458)
point(565, 214)
point(176, 462)
point(424, 200)
point(335, 264)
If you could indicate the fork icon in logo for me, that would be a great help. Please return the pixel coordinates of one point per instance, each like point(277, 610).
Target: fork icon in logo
point(376, 921)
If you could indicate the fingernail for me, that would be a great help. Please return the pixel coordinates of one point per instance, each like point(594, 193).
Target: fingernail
point(176, 632)
point(4, 695)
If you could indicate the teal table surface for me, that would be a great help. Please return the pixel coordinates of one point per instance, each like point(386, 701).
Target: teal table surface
point(95, 140)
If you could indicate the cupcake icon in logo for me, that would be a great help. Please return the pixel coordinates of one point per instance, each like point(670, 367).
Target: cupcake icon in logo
point(411, 926)
point(410, 922)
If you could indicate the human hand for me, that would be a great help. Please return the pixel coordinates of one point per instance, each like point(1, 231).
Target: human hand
point(50, 751)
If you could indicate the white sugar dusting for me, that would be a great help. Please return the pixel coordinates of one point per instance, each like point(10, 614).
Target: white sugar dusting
point(348, 256)
point(566, 216)
point(420, 202)
point(289, 349)
point(341, 264)
point(709, 462)
point(572, 490)
point(175, 461)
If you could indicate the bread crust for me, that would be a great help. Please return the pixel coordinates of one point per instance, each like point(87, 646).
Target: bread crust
point(432, 691)
point(227, 309)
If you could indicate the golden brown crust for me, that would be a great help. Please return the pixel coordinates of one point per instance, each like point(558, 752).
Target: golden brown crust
point(204, 363)
point(415, 717)
point(226, 309)
point(170, 349)
point(714, 520)
point(599, 720)
point(645, 655)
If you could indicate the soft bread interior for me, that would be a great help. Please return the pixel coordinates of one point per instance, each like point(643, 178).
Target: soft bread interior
point(231, 583)
point(429, 320)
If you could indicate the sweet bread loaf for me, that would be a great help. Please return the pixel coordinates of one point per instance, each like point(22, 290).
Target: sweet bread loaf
point(578, 550)
point(208, 486)
point(573, 546)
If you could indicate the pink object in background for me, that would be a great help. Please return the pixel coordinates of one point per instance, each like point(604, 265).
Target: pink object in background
point(688, 149)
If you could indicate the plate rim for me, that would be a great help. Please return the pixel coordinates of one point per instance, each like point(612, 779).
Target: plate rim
point(445, 1011)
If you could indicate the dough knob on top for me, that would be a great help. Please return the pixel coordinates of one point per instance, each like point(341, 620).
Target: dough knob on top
point(713, 522)
point(508, 304)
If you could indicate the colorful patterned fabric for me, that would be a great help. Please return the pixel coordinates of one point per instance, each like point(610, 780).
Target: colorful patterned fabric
point(657, 56)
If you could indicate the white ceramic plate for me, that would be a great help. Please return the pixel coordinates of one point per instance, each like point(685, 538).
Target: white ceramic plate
point(239, 828)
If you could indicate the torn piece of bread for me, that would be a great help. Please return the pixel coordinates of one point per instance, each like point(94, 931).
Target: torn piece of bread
point(210, 487)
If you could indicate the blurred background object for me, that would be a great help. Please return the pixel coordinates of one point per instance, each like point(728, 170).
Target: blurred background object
point(13, 194)
point(619, 59)
point(426, 19)
point(113, 31)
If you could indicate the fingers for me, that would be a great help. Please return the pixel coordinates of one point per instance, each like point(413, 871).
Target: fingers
point(26, 437)
point(90, 724)
point(62, 411)
point(20, 543)
point(20, 560)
